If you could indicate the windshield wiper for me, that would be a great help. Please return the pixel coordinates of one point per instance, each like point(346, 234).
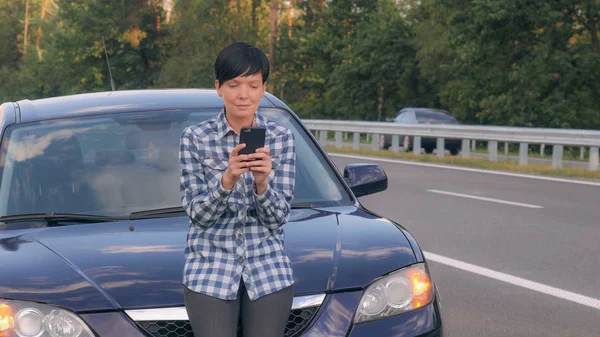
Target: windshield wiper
point(54, 218)
point(301, 205)
point(157, 213)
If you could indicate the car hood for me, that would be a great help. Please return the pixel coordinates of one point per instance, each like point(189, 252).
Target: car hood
point(139, 264)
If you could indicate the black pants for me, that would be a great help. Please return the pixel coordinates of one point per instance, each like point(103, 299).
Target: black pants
point(213, 317)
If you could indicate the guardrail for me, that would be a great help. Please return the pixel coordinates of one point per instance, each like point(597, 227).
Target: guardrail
point(558, 138)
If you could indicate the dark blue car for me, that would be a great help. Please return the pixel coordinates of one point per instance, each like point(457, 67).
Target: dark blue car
point(92, 231)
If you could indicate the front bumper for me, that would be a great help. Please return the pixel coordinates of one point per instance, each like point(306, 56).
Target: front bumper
point(333, 319)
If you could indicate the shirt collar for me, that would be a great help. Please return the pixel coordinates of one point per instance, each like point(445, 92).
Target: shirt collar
point(259, 120)
point(223, 128)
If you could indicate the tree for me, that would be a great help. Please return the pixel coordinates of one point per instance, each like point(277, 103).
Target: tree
point(71, 58)
point(17, 22)
point(202, 28)
point(512, 62)
point(321, 36)
point(379, 75)
point(11, 13)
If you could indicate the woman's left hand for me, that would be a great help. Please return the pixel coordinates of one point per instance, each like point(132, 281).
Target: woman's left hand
point(261, 167)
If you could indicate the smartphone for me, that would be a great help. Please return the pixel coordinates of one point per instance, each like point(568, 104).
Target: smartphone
point(253, 137)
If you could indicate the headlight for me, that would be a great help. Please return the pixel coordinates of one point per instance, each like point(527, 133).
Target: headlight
point(28, 319)
point(402, 291)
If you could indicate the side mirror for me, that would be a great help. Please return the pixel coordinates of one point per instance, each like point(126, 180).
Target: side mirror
point(365, 179)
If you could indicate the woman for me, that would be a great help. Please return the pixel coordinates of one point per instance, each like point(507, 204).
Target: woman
point(235, 265)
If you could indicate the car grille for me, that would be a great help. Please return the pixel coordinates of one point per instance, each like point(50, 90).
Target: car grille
point(297, 322)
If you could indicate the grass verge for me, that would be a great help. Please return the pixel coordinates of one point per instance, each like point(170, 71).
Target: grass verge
point(534, 154)
point(566, 172)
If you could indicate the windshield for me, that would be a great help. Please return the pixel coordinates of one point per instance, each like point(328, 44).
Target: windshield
point(129, 162)
point(435, 118)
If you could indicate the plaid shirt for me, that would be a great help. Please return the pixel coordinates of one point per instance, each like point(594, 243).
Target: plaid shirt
point(235, 233)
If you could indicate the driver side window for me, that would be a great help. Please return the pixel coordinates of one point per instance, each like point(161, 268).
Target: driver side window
point(401, 118)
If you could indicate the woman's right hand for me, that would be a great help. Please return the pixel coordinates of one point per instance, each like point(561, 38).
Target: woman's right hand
point(235, 169)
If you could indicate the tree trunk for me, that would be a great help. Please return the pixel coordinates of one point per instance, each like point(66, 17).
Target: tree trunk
point(593, 25)
point(380, 103)
point(272, 34)
point(282, 83)
point(255, 5)
point(291, 17)
point(39, 35)
point(158, 18)
point(25, 38)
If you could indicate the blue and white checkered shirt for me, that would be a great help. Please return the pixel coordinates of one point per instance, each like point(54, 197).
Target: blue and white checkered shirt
point(235, 233)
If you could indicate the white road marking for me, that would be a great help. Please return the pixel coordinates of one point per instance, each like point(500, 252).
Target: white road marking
point(457, 168)
point(517, 281)
point(485, 199)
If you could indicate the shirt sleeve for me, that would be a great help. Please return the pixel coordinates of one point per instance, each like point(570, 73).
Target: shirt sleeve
point(204, 201)
point(273, 206)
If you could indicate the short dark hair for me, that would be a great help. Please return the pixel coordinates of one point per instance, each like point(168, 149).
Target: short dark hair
point(239, 59)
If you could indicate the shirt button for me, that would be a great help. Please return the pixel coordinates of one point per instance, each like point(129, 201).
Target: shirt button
point(241, 214)
point(240, 235)
point(241, 259)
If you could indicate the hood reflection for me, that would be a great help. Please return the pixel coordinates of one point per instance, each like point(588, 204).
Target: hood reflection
point(141, 249)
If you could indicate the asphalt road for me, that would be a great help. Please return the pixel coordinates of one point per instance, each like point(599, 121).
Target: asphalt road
point(541, 231)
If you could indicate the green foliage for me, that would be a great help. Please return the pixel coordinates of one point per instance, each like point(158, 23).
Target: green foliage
point(513, 62)
point(503, 62)
point(71, 59)
point(378, 75)
point(9, 31)
point(134, 42)
point(201, 29)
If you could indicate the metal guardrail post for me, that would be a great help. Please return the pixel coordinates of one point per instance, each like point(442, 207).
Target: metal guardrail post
point(417, 145)
point(581, 152)
point(465, 151)
point(523, 153)
point(505, 148)
point(594, 158)
point(395, 143)
point(559, 138)
point(375, 141)
point(356, 141)
point(493, 150)
point(557, 154)
point(322, 137)
point(440, 148)
point(338, 139)
point(542, 147)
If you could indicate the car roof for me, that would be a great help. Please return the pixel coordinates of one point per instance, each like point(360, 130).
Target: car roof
point(126, 101)
point(427, 110)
